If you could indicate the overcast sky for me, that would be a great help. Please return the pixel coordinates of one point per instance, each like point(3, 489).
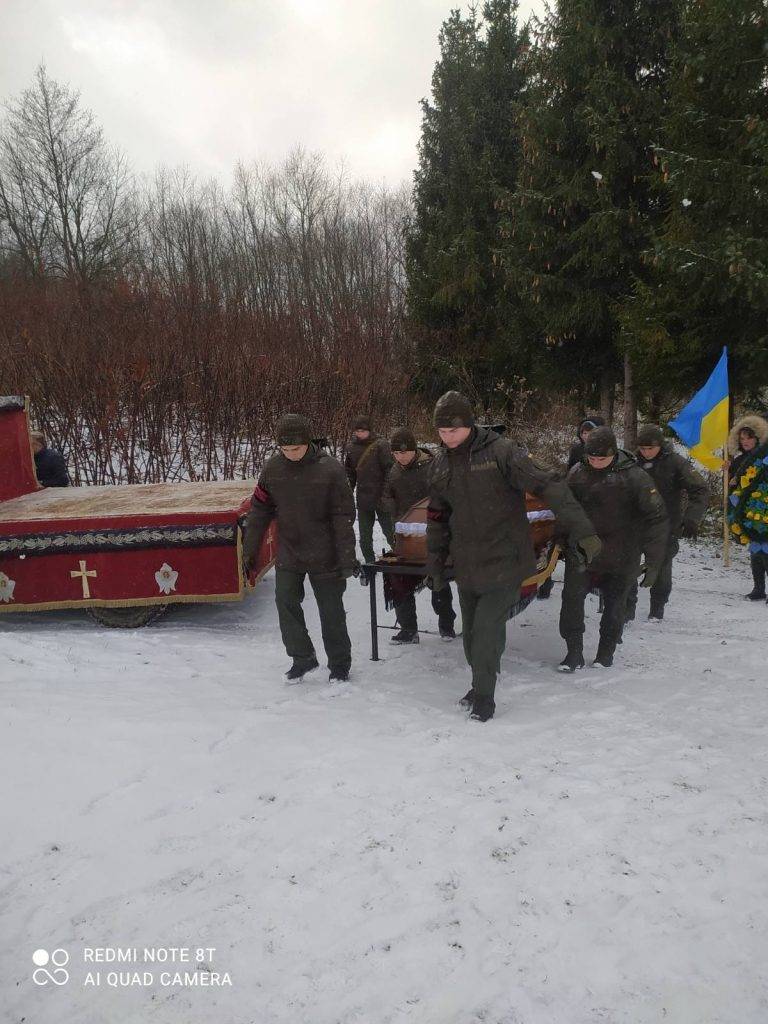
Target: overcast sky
point(207, 82)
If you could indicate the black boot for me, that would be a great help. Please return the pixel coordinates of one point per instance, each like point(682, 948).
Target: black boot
point(482, 709)
point(405, 636)
point(340, 674)
point(299, 669)
point(447, 631)
point(758, 575)
point(604, 656)
point(468, 699)
point(574, 659)
point(656, 610)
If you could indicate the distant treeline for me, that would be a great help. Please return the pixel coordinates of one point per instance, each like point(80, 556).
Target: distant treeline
point(162, 328)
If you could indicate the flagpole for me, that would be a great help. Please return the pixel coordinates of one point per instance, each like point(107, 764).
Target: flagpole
point(726, 531)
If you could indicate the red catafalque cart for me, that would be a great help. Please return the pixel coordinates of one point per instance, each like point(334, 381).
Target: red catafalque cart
point(124, 553)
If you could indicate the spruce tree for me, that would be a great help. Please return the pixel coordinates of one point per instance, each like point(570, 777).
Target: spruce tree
point(585, 208)
point(461, 311)
point(709, 265)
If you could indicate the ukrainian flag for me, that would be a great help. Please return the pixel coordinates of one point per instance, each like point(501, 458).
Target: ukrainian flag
point(703, 424)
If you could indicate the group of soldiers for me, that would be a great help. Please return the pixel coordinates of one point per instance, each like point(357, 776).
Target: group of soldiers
point(619, 517)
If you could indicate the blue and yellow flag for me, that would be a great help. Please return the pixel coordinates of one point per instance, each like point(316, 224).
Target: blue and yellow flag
point(703, 424)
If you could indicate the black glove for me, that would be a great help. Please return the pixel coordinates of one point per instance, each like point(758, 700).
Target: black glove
point(689, 529)
point(435, 583)
point(650, 576)
point(350, 570)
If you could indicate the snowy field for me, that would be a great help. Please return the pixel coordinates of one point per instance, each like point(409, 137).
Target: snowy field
point(363, 853)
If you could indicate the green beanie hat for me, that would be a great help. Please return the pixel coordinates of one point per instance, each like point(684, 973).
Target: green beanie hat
point(403, 440)
point(293, 429)
point(649, 435)
point(601, 442)
point(361, 423)
point(453, 410)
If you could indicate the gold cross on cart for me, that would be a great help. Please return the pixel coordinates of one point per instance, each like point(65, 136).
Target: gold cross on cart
point(84, 574)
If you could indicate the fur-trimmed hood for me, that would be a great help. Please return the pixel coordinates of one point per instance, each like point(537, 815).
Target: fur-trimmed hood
point(755, 423)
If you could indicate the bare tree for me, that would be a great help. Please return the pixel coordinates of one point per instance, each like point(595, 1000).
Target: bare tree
point(64, 193)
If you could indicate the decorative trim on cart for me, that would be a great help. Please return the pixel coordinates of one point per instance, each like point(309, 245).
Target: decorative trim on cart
point(91, 541)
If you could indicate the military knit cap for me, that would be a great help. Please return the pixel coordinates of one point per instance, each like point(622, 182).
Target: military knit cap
point(591, 420)
point(293, 429)
point(453, 410)
point(649, 436)
point(361, 423)
point(601, 442)
point(403, 440)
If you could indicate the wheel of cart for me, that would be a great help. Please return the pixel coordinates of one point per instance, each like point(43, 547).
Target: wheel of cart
point(127, 618)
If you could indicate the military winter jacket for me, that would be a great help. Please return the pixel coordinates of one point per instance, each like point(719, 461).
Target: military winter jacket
point(407, 484)
point(628, 512)
point(675, 476)
point(367, 464)
point(477, 511)
point(313, 505)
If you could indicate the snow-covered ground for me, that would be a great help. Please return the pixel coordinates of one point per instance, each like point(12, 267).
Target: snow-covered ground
point(362, 853)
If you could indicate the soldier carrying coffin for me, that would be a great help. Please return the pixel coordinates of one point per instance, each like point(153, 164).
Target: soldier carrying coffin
point(407, 484)
point(477, 515)
point(367, 463)
point(629, 516)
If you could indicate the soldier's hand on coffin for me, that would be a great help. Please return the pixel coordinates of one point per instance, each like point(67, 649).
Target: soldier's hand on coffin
point(650, 576)
point(689, 529)
point(589, 548)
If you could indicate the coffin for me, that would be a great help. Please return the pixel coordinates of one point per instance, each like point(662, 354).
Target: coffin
point(411, 530)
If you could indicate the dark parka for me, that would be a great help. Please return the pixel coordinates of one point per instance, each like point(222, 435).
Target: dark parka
point(367, 464)
point(478, 516)
point(576, 453)
point(674, 476)
point(627, 511)
point(314, 509)
point(407, 484)
point(50, 468)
